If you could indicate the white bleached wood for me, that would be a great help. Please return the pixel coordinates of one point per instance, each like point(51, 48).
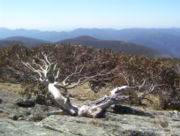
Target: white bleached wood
point(62, 101)
point(96, 108)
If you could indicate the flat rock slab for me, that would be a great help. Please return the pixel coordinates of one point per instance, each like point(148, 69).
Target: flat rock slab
point(162, 123)
point(23, 128)
point(115, 125)
point(15, 107)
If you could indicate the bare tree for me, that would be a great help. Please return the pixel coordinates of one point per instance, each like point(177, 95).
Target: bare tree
point(44, 67)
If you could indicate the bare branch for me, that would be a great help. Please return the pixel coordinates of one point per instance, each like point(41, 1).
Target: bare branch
point(140, 86)
point(29, 66)
point(76, 72)
point(150, 91)
point(125, 77)
point(46, 59)
point(99, 106)
point(41, 70)
point(57, 74)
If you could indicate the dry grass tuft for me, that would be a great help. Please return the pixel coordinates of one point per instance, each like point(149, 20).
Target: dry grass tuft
point(2, 114)
point(11, 87)
point(155, 102)
point(84, 92)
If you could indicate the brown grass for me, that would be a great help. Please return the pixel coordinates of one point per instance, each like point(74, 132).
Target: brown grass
point(11, 88)
point(2, 114)
point(84, 92)
point(155, 102)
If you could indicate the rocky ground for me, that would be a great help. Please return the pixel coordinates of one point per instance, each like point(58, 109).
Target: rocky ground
point(19, 117)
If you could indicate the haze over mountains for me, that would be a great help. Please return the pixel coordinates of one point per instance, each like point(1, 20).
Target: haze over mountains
point(25, 39)
point(164, 40)
point(21, 40)
point(114, 45)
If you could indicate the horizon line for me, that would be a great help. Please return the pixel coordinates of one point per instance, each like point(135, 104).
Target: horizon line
point(100, 28)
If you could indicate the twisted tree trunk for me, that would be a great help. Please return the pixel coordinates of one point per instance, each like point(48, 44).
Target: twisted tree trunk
point(95, 109)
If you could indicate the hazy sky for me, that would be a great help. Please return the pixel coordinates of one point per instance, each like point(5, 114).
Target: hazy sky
point(70, 14)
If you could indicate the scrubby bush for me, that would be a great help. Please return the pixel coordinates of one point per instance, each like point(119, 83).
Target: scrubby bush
point(118, 69)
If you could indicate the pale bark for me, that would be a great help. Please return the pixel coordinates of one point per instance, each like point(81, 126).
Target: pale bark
point(96, 108)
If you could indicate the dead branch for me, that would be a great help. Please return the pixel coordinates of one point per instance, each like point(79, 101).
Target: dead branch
point(96, 108)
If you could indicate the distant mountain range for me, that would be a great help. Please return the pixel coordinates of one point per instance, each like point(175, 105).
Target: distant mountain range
point(121, 46)
point(21, 40)
point(165, 40)
point(25, 39)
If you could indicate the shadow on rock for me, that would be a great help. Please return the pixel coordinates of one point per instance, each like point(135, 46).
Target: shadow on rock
point(128, 110)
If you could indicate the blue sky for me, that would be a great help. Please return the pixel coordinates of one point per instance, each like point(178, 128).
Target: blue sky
point(71, 14)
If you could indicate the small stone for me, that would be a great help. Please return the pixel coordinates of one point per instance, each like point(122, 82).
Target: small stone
point(175, 112)
point(16, 117)
point(36, 117)
point(164, 124)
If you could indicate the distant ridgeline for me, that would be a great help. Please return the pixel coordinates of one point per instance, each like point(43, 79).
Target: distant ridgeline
point(20, 40)
point(164, 40)
point(120, 46)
